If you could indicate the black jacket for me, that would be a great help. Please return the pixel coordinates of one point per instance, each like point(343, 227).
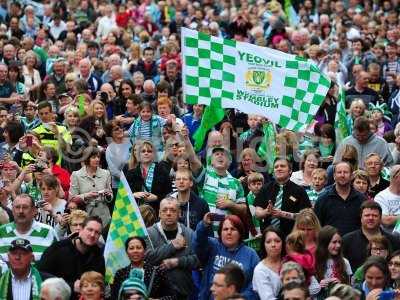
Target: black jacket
point(355, 246)
point(148, 73)
point(161, 185)
point(160, 289)
point(294, 199)
point(62, 259)
point(332, 210)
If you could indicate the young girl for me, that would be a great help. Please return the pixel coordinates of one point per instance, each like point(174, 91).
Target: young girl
point(297, 252)
point(148, 127)
point(308, 223)
point(331, 266)
point(381, 117)
point(266, 280)
point(357, 109)
point(51, 208)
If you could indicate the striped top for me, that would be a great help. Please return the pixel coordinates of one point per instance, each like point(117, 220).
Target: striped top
point(40, 236)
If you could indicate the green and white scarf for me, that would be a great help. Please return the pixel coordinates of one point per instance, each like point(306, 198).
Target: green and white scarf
point(36, 284)
point(148, 181)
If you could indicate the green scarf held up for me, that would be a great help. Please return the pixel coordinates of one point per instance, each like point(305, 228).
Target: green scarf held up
point(36, 284)
point(212, 115)
point(267, 149)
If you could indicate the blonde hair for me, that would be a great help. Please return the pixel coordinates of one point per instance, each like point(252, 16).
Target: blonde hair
point(255, 177)
point(307, 217)
point(296, 241)
point(91, 109)
point(134, 159)
point(135, 50)
point(357, 101)
point(77, 214)
point(320, 171)
point(92, 277)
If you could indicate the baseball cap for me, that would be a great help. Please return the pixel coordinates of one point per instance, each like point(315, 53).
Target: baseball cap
point(223, 149)
point(20, 243)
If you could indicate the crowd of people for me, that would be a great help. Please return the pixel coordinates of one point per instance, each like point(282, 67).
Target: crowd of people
point(92, 89)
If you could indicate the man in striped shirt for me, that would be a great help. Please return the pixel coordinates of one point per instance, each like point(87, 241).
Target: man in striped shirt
point(38, 234)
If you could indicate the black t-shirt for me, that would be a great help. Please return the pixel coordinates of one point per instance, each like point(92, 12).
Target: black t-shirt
point(171, 234)
point(6, 90)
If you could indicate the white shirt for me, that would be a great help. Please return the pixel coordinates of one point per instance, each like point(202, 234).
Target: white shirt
point(266, 282)
point(389, 202)
point(21, 288)
point(106, 24)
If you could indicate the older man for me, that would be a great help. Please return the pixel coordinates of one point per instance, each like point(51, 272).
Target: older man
point(55, 289)
point(40, 235)
point(22, 281)
point(374, 165)
point(85, 72)
point(389, 200)
point(172, 248)
point(339, 205)
point(365, 142)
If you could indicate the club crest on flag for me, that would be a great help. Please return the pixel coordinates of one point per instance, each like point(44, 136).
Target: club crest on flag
point(258, 80)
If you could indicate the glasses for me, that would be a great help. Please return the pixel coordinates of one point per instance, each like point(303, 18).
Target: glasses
point(174, 145)
point(147, 151)
point(116, 128)
point(378, 250)
point(370, 164)
point(394, 264)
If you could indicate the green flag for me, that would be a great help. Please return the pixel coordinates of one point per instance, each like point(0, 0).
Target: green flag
point(81, 105)
point(267, 149)
point(126, 222)
point(342, 129)
point(286, 89)
point(292, 16)
point(212, 115)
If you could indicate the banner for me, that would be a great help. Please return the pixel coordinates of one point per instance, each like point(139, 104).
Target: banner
point(341, 126)
point(286, 89)
point(126, 222)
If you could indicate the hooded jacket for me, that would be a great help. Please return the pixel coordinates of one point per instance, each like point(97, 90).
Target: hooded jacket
point(213, 255)
point(374, 144)
point(180, 277)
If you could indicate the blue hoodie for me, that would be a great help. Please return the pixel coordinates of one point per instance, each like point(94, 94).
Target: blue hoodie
point(213, 255)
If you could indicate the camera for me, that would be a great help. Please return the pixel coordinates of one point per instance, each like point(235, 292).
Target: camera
point(104, 97)
point(40, 165)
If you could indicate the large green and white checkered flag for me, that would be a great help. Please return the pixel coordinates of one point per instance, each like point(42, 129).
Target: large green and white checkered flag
point(286, 89)
point(126, 222)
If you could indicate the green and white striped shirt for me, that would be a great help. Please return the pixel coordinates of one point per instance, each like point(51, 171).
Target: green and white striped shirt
point(215, 186)
point(40, 236)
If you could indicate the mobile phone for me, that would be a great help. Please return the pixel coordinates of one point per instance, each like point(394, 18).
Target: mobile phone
point(67, 210)
point(29, 141)
point(217, 217)
point(40, 203)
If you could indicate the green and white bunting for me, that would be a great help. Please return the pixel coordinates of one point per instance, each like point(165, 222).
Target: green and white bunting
point(286, 89)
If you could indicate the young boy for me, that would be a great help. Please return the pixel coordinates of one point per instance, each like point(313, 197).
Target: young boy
point(255, 182)
point(319, 180)
point(361, 183)
point(254, 123)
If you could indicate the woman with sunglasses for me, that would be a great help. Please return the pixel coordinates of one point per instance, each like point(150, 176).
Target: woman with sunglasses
point(148, 179)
